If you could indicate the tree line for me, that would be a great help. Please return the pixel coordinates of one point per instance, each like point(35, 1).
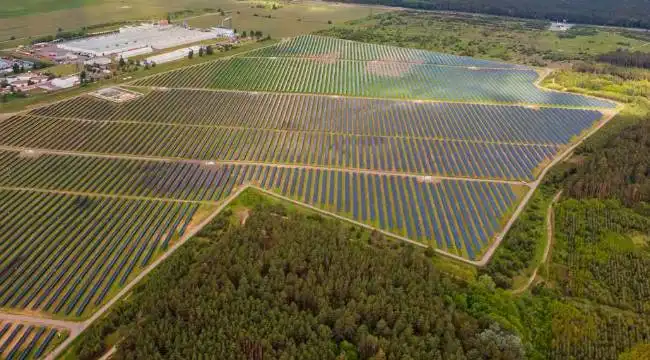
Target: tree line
point(627, 58)
point(599, 12)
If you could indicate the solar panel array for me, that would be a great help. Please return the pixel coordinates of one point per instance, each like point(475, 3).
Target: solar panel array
point(92, 191)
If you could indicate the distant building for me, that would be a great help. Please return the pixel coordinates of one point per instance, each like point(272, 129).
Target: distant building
point(139, 40)
point(4, 64)
point(101, 61)
point(560, 26)
point(64, 83)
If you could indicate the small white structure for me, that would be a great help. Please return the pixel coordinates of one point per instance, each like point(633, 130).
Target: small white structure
point(65, 83)
point(101, 61)
point(135, 52)
point(173, 55)
point(560, 26)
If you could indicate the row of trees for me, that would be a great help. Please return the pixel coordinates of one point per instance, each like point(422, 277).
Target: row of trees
point(253, 33)
point(208, 50)
point(599, 12)
point(627, 58)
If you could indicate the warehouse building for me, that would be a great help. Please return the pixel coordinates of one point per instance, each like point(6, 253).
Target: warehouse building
point(141, 39)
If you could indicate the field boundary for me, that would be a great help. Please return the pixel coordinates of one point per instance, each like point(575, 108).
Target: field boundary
point(257, 163)
point(433, 101)
point(234, 127)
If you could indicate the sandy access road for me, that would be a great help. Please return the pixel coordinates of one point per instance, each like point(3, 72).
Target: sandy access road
point(547, 248)
point(99, 313)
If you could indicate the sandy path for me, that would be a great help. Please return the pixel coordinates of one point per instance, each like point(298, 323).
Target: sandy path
point(549, 244)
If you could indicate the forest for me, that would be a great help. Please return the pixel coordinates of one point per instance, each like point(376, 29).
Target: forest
point(598, 12)
point(291, 285)
point(627, 58)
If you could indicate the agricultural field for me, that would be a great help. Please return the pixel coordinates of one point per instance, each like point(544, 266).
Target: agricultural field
point(24, 20)
point(21, 341)
point(287, 19)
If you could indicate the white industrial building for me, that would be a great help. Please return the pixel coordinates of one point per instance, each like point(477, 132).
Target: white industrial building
point(142, 39)
point(65, 83)
point(173, 55)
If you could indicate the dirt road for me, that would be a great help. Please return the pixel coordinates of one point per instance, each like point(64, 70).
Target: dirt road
point(549, 244)
point(100, 312)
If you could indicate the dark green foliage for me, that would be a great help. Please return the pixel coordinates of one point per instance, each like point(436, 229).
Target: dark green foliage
point(517, 251)
point(627, 58)
point(287, 285)
point(601, 253)
point(601, 12)
point(620, 168)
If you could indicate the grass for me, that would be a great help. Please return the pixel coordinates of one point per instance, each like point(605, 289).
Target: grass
point(34, 18)
point(63, 69)
point(544, 201)
point(289, 20)
point(506, 39)
point(22, 19)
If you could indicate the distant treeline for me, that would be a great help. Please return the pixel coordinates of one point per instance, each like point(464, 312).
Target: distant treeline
point(632, 13)
point(75, 34)
point(627, 58)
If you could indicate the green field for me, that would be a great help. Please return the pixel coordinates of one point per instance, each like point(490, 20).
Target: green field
point(289, 20)
point(506, 39)
point(24, 20)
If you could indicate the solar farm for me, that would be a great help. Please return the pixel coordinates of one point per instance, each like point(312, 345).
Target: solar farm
point(21, 341)
point(434, 149)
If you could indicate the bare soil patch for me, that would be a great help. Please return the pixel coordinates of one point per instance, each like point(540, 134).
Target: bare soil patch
point(390, 68)
point(326, 58)
point(116, 94)
point(428, 179)
point(32, 154)
point(242, 215)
